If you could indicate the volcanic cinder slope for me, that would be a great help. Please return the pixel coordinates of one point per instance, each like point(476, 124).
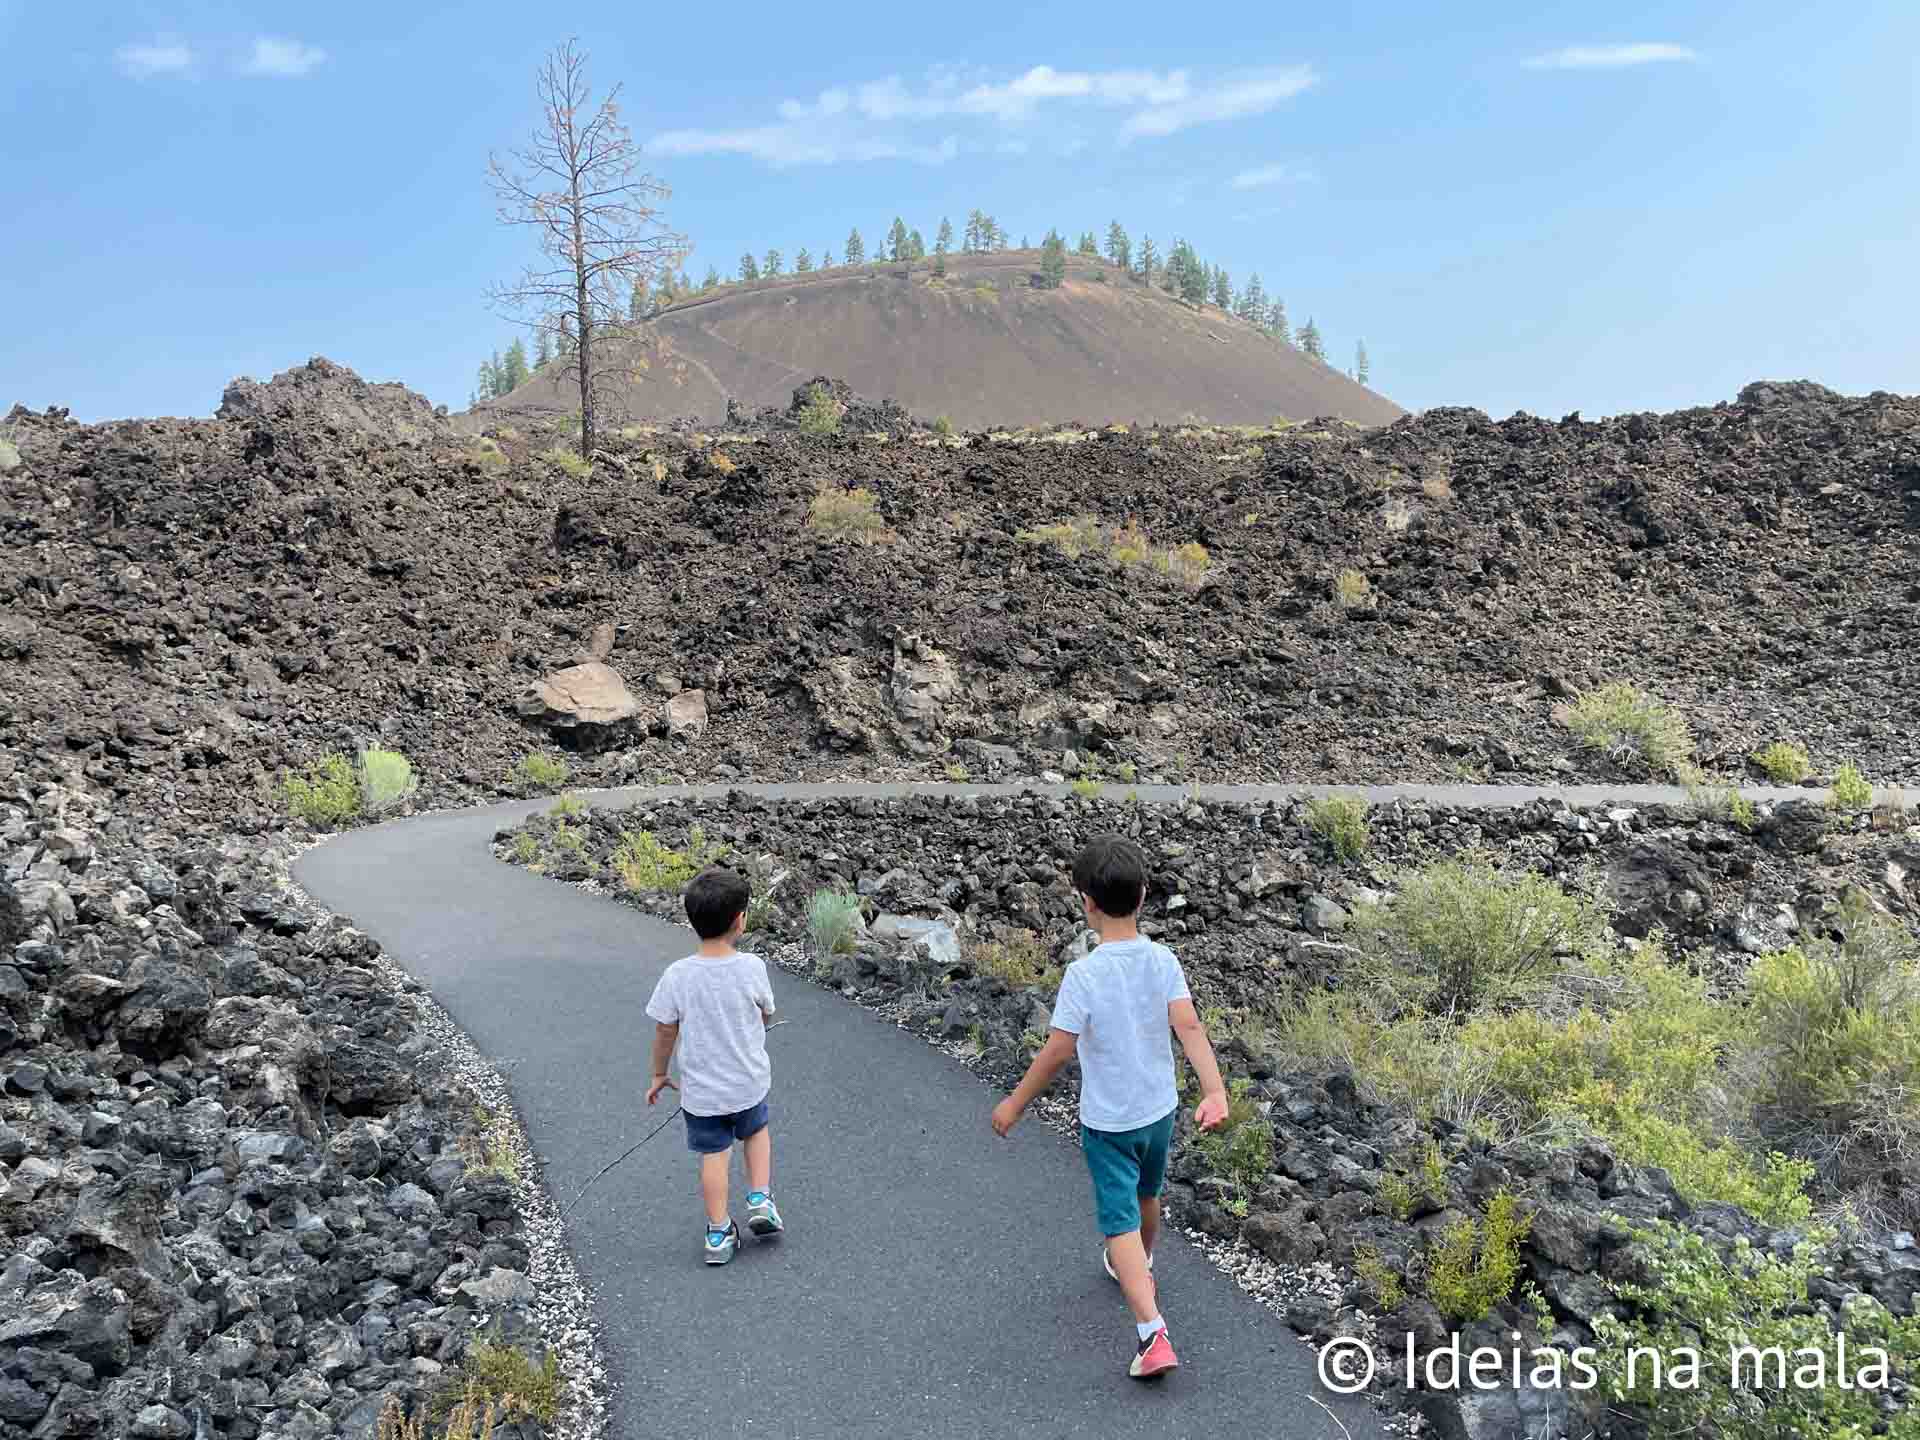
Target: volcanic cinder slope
point(981, 346)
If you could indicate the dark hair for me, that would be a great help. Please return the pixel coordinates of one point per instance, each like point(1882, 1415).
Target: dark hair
point(715, 899)
point(1112, 872)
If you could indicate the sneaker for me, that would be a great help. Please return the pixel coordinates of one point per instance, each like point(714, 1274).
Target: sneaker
point(1154, 1357)
point(722, 1243)
point(763, 1218)
point(1106, 1263)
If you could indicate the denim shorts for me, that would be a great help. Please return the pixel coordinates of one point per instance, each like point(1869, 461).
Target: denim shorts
point(710, 1134)
point(1127, 1166)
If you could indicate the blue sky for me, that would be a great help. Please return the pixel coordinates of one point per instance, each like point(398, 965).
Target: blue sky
point(1541, 207)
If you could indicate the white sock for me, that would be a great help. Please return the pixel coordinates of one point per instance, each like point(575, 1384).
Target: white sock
point(1147, 1327)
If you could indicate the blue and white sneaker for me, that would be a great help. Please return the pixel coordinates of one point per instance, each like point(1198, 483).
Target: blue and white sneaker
point(722, 1243)
point(762, 1216)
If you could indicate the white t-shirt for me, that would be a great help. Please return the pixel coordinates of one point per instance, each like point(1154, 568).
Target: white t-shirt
point(1116, 1002)
point(722, 1005)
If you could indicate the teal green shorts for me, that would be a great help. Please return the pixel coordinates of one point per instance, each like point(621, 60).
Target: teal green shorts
point(1127, 1166)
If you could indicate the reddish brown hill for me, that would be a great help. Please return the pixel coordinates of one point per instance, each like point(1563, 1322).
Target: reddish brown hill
point(981, 346)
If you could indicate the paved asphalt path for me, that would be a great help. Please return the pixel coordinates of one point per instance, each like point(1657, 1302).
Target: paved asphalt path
point(935, 1281)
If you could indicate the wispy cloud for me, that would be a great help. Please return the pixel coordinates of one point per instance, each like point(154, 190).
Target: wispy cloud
point(1231, 100)
point(888, 119)
point(156, 57)
point(282, 58)
point(1267, 175)
point(1608, 57)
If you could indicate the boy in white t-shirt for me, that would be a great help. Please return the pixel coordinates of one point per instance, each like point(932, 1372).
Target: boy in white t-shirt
point(715, 1007)
point(1115, 1010)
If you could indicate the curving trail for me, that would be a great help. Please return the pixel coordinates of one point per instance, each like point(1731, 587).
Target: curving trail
point(936, 1281)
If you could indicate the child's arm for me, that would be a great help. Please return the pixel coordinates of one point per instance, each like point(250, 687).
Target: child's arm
point(1055, 1053)
point(665, 1037)
point(1186, 1024)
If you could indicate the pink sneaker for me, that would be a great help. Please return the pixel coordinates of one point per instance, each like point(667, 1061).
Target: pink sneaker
point(1154, 1358)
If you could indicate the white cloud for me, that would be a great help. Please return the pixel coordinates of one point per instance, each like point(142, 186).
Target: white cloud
point(1229, 100)
point(157, 57)
point(1607, 57)
point(1272, 175)
point(879, 119)
point(282, 58)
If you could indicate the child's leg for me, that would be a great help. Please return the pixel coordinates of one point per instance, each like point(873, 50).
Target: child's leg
point(1149, 1222)
point(1129, 1259)
point(716, 1169)
point(759, 1155)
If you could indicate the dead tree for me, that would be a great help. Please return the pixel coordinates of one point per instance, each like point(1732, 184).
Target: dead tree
point(579, 185)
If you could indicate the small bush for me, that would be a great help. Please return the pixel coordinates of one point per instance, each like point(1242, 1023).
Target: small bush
point(722, 462)
point(1085, 787)
point(1687, 1295)
point(1437, 487)
point(1351, 590)
point(1340, 820)
point(1374, 1273)
point(1019, 958)
point(833, 920)
point(509, 1378)
point(537, 772)
point(1473, 1267)
point(1188, 563)
point(488, 454)
point(943, 427)
point(1240, 1152)
point(1461, 934)
point(326, 796)
point(567, 807)
point(1397, 516)
point(821, 414)
point(1072, 538)
point(645, 865)
point(1129, 547)
point(570, 462)
point(846, 515)
point(1784, 762)
point(385, 779)
point(526, 849)
point(489, 1149)
point(1851, 792)
point(958, 774)
point(1630, 726)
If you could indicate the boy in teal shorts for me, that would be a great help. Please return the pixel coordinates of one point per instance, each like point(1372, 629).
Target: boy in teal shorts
point(1115, 1010)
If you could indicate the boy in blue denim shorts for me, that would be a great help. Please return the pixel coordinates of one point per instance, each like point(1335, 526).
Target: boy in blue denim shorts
point(1115, 1010)
point(715, 1007)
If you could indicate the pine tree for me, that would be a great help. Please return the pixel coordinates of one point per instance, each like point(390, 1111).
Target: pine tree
point(1053, 261)
point(637, 302)
point(542, 349)
point(943, 238)
point(1088, 245)
point(970, 241)
point(1277, 322)
point(486, 385)
point(916, 246)
point(1149, 260)
point(856, 249)
point(1253, 302)
point(803, 262)
point(1311, 342)
point(773, 264)
point(1118, 249)
point(516, 366)
point(749, 267)
point(666, 290)
point(1360, 361)
point(1222, 289)
point(899, 245)
point(712, 281)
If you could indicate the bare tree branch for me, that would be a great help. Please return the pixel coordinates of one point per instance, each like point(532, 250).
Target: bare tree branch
point(579, 185)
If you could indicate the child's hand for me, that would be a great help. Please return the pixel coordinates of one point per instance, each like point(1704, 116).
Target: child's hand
point(660, 1082)
point(1211, 1113)
point(1006, 1115)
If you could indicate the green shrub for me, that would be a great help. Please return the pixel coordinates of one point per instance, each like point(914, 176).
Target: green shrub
point(571, 462)
point(1188, 563)
point(567, 807)
point(1129, 547)
point(526, 849)
point(506, 1377)
point(645, 865)
point(1351, 590)
point(1378, 1277)
point(1687, 1298)
point(326, 796)
point(1630, 726)
point(1085, 787)
point(821, 413)
point(1409, 1061)
point(846, 514)
point(1072, 538)
point(1460, 934)
point(1240, 1152)
point(385, 779)
point(488, 454)
point(833, 921)
point(1473, 1267)
point(537, 772)
point(1340, 820)
point(1019, 958)
point(942, 426)
point(1851, 792)
point(958, 774)
point(1784, 762)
